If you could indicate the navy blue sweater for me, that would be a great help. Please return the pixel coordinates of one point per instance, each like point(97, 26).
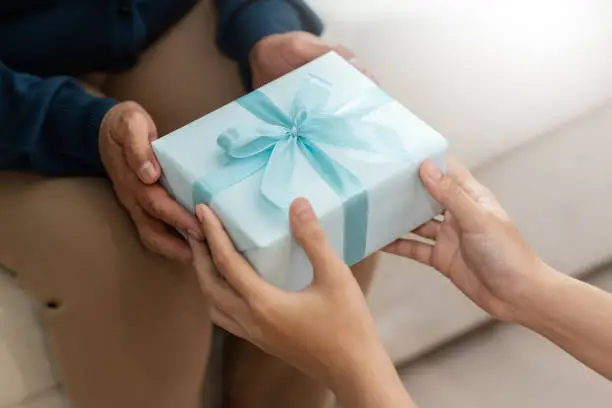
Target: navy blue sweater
point(48, 123)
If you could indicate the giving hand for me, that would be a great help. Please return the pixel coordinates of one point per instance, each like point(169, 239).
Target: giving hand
point(125, 140)
point(477, 246)
point(279, 54)
point(324, 330)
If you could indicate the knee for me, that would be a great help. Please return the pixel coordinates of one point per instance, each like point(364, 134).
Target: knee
point(71, 239)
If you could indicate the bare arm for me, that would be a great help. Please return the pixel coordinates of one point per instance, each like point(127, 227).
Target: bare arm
point(374, 383)
point(574, 315)
point(478, 249)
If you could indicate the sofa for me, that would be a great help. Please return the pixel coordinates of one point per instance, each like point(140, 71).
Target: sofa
point(523, 91)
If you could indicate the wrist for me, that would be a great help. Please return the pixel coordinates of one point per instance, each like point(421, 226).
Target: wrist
point(530, 303)
point(370, 380)
point(354, 366)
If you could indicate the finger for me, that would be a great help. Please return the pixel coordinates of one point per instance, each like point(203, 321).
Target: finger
point(428, 230)
point(407, 248)
point(466, 180)
point(448, 192)
point(308, 47)
point(156, 201)
point(455, 168)
point(236, 270)
point(309, 234)
point(200, 252)
point(136, 131)
point(228, 324)
point(350, 56)
point(156, 237)
point(478, 192)
point(212, 284)
point(138, 148)
point(370, 75)
point(359, 66)
point(345, 53)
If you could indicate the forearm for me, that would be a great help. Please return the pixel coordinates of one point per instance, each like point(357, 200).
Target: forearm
point(242, 23)
point(371, 383)
point(49, 125)
point(574, 315)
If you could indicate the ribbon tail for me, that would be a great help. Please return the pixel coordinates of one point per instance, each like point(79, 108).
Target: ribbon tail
point(355, 199)
point(276, 184)
point(239, 143)
point(234, 171)
point(356, 210)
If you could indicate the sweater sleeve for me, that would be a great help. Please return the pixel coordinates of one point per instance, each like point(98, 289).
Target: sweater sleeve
point(242, 23)
point(49, 125)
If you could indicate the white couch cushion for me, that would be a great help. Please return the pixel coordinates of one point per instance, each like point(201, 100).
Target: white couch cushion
point(52, 399)
point(489, 75)
point(508, 366)
point(25, 370)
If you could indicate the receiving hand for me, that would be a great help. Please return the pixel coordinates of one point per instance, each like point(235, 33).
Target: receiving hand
point(278, 54)
point(476, 246)
point(125, 140)
point(324, 330)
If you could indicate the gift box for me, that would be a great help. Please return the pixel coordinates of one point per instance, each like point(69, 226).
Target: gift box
point(324, 132)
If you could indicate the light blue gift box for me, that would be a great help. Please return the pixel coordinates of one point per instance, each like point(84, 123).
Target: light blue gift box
point(325, 132)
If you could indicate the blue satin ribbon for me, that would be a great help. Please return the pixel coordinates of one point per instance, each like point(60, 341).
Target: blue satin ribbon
point(309, 124)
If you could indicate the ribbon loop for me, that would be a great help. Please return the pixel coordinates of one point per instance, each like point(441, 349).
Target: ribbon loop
point(264, 109)
point(234, 147)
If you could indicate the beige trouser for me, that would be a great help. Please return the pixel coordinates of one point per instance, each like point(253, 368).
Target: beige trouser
point(130, 329)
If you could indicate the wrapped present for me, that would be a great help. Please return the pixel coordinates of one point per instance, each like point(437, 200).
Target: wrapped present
point(324, 132)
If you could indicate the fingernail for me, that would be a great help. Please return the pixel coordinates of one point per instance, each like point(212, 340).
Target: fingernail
point(195, 234)
point(432, 171)
point(201, 212)
point(370, 75)
point(355, 62)
point(303, 210)
point(147, 172)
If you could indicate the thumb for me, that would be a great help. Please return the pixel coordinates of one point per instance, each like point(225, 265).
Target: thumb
point(309, 234)
point(136, 132)
point(448, 192)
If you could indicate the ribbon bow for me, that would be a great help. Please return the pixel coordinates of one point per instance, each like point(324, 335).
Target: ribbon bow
point(310, 123)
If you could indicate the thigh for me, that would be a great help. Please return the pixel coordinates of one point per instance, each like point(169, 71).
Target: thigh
point(129, 329)
point(182, 76)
